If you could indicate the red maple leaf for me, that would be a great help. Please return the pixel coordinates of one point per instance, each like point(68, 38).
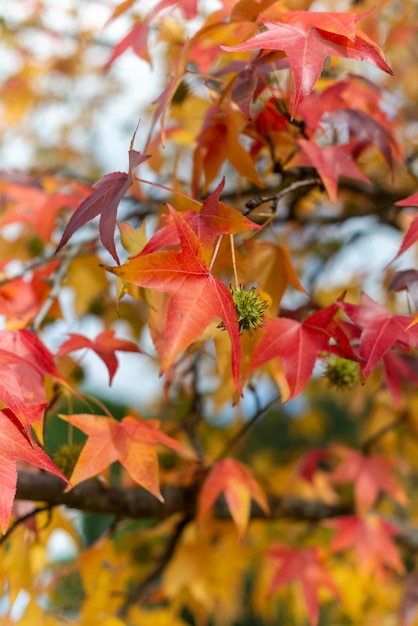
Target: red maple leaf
point(371, 539)
point(24, 362)
point(331, 162)
point(215, 218)
point(137, 38)
point(29, 347)
point(406, 279)
point(411, 235)
point(197, 296)
point(14, 445)
point(355, 93)
point(409, 601)
point(22, 389)
point(309, 463)
point(304, 566)
point(369, 474)
point(296, 344)
point(104, 345)
point(379, 331)
point(104, 201)
point(132, 442)
point(364, 130)
point(237, 483)
point(399, 368)
point(308, 38)
point(250, 80)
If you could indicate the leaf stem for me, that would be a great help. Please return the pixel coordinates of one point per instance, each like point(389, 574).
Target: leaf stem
point(234, 261)
point(215, 253)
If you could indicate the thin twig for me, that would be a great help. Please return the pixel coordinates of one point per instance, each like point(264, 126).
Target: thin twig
point(275, 198)
point(245, 428)
point(136, 594)
point(374, 439)
point(24, 518)
point(28, 266)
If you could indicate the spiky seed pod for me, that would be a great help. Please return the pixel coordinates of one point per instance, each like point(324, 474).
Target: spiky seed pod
point(181, 93)
point(35, 246)
point(250, 308)
point(342, 373)
point(66, 457)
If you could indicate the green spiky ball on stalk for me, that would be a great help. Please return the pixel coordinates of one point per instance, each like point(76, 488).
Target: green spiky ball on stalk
point(342, 373)
point(66, 457)
point(250, 308)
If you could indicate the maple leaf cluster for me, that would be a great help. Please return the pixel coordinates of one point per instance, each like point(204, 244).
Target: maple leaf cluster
point(273, 473)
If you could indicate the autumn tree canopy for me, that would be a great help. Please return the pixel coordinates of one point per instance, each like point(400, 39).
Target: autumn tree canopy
point(256, 249)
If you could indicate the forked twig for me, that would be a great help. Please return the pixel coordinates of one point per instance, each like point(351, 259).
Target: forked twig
point(137, 593)
point(245, 428)
point(275, 198)
point(24, 518)
point(374, 439)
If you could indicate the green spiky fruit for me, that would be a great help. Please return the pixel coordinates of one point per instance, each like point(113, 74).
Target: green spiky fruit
point(342, 373)
point(250, 309)
point(66, 457)
point(35, 246)
point(181, 93)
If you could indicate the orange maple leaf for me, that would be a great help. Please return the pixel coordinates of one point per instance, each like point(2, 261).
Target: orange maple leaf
point(215, 218)
point(218, 142)
point(237, 483)
point(131, 442)
point(197, 296)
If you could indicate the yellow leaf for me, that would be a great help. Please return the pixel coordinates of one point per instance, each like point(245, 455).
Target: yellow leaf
point(155, 617)
point(236, 481)
point(270, 266)
point(105, 574)
point(89, 281)
point(133, 239)
point(209, 572)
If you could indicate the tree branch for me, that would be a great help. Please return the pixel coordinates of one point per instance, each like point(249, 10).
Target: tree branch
point(94, 496)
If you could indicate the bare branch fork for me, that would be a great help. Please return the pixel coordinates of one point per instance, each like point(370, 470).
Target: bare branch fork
point(275, 198)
